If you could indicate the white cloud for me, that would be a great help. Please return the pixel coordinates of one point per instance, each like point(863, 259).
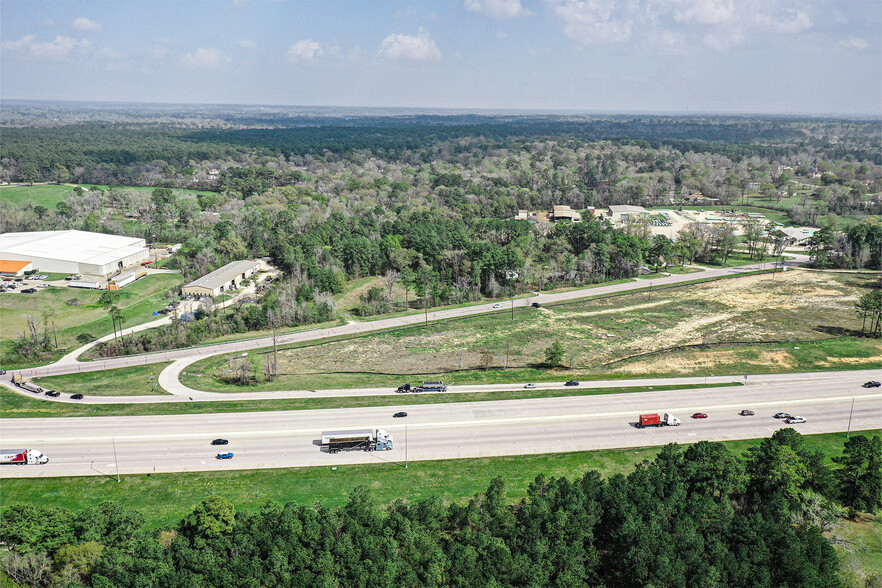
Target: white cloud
point(247, 44)
point(855, 43)
point(707, 12)
point(107, 53)
point(85, 25)
point(795, 21)
point(591, 22)
point(304, 50)
point(723, 41)
point(419, 47)
point(59, 49)
point(498, 9)
point(204, 58)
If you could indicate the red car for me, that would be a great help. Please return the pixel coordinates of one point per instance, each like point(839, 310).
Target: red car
point(699, 415)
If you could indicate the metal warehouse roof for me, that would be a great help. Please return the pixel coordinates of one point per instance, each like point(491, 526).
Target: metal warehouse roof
point(75, 246)
point(223, 276)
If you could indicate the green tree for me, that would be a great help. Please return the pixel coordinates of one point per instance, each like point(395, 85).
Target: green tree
point(860, 477)
point(211, 521)
point(554, 354)
point(869, 306)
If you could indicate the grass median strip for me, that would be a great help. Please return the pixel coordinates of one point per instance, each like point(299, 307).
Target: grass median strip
point(141, 380)
point(17, 405)
point(165, 498)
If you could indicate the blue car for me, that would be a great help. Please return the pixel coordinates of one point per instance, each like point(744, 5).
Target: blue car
point(225, 456)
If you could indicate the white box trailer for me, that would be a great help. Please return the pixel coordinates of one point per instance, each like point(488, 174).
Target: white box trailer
point(365, 440)
point(83, 284)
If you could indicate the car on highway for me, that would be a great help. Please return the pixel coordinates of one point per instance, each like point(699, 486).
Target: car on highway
point(225, 455)
point(572, 383)
point(219, 442)
point(52, 393)
point(537, 305)
point(871, 384)
point(399, 415)
point(746, 412)
point(497, 306)
point(76, 396)
point(782, 415)
point(699, 415)
point(29, 291)
point(794, 420)
point(530, 386)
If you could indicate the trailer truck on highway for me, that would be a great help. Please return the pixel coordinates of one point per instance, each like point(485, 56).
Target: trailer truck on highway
point(654, 420)
point(23, 456)
point(364, 440)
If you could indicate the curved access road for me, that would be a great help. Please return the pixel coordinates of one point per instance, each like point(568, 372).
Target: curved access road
point(184, 357)
point(180, 443)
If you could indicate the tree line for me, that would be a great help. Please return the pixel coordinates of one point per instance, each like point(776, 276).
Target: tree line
point(694, 516)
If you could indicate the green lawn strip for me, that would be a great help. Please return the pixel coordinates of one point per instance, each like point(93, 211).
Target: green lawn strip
point(45, 195)
point(675, 269)
point(128, 381)
point(13, 404)
point(165, 498)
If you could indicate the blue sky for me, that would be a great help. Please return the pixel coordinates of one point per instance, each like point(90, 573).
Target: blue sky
point(750, 56)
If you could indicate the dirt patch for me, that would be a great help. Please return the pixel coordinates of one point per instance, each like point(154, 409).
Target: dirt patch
point(833, 361)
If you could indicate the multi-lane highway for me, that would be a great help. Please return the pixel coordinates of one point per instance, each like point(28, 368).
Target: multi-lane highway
point(95, 446)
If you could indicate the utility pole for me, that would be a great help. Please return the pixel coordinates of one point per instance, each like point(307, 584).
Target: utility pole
point(116, 460)
point(405, 445)
point(848, 433)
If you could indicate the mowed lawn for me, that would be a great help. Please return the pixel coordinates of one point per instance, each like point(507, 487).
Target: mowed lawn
point(165, 498)
point(45, 195)
point(138, 301)
point(140, 380)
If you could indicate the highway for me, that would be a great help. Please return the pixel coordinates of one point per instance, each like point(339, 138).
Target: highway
point(180, 443)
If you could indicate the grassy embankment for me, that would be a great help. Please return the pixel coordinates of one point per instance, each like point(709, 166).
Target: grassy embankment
point(13, 404)
point(165, 498)
point(789, 322)
point(48, 195)
point(129, 381)
point(137, 301)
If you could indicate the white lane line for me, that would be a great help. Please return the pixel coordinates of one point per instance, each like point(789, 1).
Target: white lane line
point(683, 410)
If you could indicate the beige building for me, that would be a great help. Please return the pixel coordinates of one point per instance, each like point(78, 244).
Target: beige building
point(229, 277)
point(563, 212)
point(73, 252)
point(626, 213)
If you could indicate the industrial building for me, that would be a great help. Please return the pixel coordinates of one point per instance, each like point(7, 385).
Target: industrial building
point(9, 268)
point(73, 252)
point(221, 280)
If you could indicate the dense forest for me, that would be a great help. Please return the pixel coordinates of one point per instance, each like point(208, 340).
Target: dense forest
point(695, 516)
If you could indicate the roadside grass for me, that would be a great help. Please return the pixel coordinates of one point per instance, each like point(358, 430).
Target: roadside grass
point(13, 404)
point(688, 269)
point(128, 381)
point(757, 311)
point(137, 302)
point(166, 498)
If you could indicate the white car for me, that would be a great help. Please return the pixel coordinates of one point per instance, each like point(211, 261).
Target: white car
point(530, 386)
point(497, 306)
point(794, 420)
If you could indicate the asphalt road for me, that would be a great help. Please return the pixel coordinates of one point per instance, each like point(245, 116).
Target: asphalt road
point(88, 446)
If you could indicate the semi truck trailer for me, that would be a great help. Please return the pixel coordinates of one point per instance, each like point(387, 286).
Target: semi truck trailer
point(364, 440)
point(23, 456)
point(654, 420)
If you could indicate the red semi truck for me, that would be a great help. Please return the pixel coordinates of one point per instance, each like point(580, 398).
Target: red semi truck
point(23, 456)
point(654, 420)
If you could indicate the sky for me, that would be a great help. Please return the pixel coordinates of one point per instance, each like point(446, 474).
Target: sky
point(676, 56)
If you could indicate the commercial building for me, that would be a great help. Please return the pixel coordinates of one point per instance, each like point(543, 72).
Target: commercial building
point(221, 280)
point(626, 213)
point(73, 252)
point(10, 268)
point(562, 212)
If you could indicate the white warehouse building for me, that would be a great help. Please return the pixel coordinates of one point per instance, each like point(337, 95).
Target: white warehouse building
point(73, 252)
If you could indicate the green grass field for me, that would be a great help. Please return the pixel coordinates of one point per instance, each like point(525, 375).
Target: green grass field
point(138, 301)
point(165, 498)
point(804, 307)
point(129, 381)
point(13, 404)
point(46, 195)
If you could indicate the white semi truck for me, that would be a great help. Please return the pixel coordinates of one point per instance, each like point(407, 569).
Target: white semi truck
point(364, 440)
point(23, 456)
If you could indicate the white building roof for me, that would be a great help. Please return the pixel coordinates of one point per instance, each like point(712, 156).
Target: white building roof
point(627, 208)
point(73, 246)
point(223, 276)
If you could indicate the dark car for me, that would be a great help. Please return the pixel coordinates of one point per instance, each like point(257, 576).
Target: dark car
point(219, 442)
point(76, 396)
point(225, 455)
point(746, 413)
point(399, 415)
point(782, 415)
point(29, 291)
point(572, 383)
point(699, 415)
point(52, 393)
point(871, 384)
point(537, 305)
